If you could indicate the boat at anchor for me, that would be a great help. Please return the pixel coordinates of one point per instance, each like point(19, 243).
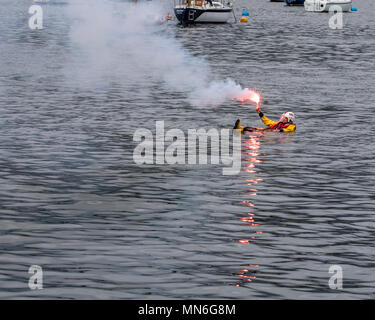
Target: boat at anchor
point(325, 5)
point(203, 11)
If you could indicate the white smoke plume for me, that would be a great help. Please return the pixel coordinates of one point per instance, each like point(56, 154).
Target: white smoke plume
point(128, 42)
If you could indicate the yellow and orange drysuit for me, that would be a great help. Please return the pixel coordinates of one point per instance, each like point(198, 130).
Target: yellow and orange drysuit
point(279, 126)
point(272, 125)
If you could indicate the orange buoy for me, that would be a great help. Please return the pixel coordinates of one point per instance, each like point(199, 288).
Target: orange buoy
point(243, 19)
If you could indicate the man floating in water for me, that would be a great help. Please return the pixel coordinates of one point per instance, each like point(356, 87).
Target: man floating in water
point(285, 124)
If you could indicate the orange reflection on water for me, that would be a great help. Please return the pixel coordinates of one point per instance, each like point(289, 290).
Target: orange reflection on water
point(244, 241)
point(247, 203)
point(247, 219)
point(252, 153)
point(246, 275)
point(255, 181)
point(250, 156)
point(249, 170)
point(253, 159)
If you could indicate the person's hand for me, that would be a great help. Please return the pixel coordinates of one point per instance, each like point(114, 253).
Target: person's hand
point(258, 108)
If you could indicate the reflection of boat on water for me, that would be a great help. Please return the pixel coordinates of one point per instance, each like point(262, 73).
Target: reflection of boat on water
point(294, 2)
point(203, 11)
point(325, 5)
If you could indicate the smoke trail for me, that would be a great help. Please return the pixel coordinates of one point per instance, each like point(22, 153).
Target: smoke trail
point(128, 42)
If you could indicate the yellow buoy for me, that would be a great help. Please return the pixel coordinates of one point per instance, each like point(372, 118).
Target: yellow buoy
point(243, 19)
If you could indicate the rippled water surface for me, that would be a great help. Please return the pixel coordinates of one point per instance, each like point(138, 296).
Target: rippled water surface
point(73, 201)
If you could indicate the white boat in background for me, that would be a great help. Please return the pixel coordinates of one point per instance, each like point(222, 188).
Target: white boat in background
point(203, 11)
point(325, 5)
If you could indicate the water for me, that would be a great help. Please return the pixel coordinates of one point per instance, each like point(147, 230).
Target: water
point(73, 201)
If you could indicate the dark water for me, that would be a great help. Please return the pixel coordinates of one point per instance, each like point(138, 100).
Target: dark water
point(73, 201)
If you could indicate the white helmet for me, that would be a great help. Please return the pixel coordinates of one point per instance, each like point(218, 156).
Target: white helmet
point(289, 116)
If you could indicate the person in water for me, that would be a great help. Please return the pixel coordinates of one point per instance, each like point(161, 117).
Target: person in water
point(285, 124)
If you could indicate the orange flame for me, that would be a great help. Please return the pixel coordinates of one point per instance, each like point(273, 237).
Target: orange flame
point(249, 95)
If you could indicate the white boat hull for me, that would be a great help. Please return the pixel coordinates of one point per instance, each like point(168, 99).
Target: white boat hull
point(214, 17)
point(203, 13)
point(325, 5)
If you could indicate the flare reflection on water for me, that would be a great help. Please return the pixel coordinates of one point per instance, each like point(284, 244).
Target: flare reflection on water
point(250, 153)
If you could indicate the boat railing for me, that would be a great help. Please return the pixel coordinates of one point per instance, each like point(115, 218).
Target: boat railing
point(201, 3)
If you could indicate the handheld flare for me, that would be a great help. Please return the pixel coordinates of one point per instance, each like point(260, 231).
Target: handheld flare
point(249, 95)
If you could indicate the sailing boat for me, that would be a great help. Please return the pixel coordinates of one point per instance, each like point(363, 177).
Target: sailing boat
point(325, 5)
point(203, 11)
